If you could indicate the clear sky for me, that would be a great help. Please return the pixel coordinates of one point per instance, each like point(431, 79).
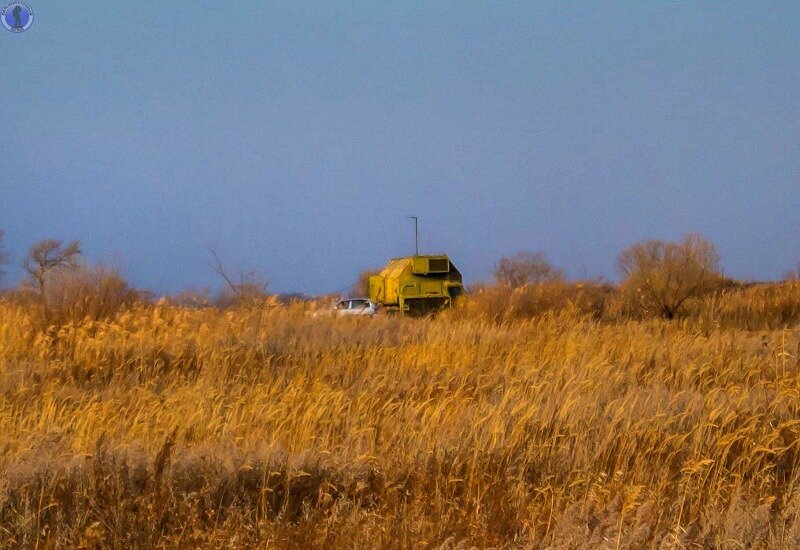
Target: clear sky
point(294, 137)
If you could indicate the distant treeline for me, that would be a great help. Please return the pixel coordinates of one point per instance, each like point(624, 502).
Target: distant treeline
point(672, 280)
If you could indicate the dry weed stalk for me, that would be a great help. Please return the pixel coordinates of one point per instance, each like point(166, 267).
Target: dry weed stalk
point(166, 426)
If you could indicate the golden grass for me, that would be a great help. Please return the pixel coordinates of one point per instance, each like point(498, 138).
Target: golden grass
point(165, 426)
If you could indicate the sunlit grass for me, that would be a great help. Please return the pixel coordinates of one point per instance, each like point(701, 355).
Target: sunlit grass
point(171, 426)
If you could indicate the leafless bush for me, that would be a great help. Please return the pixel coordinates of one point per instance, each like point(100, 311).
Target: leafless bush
point(660, 277)
point(503, 302)
point(249, 289)
point(48, 257)
point(526, 268)
point(81, 292)
point(192, 298)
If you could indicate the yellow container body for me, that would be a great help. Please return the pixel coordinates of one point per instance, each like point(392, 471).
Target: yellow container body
point(417, 284)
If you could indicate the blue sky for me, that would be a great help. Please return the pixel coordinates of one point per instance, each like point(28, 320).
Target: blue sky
point(295, 137)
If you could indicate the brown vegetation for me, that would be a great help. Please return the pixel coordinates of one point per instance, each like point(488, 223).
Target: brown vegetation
point(76, 294)
point(3, 253)
point(506, 303)
point(660, 277)
point(49, 257)
point(361, 286)
point(249, 289)
point(525, 268)
point(168, 426)
point(540, 415)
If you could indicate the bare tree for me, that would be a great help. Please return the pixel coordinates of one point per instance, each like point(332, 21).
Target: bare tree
point(220, 270)
point(48, 255)
point(662, 276)
point(249, 287)
point(526, 268)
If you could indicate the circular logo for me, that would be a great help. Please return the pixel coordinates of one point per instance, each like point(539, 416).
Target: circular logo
point(17, 16)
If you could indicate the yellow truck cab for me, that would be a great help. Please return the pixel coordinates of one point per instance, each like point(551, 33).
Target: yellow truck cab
point(417, 284)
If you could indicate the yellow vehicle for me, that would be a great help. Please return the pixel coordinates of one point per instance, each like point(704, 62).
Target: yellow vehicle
point(417, 284)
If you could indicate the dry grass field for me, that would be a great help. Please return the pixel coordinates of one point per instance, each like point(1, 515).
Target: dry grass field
point(484, 427)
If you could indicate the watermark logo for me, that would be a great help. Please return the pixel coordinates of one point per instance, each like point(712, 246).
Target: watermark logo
point(17, 16)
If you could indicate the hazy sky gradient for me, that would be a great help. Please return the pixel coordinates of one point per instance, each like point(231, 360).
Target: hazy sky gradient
point(295, 137)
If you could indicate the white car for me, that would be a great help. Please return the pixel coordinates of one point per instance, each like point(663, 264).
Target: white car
point(355, 306)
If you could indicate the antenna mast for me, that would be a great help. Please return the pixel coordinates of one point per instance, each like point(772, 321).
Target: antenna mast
point(416, 235)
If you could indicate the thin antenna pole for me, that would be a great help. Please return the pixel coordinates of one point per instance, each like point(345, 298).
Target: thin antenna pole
point(416, 235)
